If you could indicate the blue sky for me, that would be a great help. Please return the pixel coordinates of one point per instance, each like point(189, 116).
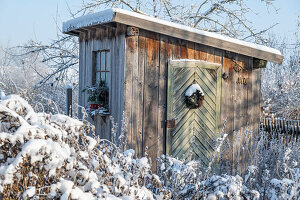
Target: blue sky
point(22, 20)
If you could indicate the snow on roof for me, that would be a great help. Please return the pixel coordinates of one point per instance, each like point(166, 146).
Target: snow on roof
point(102, 17)
point(172, 29)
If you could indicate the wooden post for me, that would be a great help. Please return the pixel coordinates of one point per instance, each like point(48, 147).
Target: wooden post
point(69, 101)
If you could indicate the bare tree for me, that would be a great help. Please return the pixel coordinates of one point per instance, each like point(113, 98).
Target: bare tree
point(228, 17)
point(59, 56)
point(21, 73)
point(4, 56)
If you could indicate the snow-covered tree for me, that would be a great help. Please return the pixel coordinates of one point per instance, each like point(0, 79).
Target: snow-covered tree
point(21, 73)
point(281, 82)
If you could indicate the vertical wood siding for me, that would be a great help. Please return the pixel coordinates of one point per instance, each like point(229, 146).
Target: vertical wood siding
point(147, 58)
point(139, 66)
point(114, 40)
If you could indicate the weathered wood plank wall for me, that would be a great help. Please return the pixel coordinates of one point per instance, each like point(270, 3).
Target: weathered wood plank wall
point(147, 56)
point(139, 83)
point(100, 38)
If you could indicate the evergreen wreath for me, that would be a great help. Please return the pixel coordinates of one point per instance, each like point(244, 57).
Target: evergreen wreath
point(98, 94)
point(195, 100)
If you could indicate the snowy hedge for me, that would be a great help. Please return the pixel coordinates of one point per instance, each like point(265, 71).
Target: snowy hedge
point(46, 156)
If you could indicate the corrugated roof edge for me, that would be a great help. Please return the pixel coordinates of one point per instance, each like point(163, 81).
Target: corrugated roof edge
point(111, 15)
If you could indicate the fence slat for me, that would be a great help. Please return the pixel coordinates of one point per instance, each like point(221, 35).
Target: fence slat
point(290, 128)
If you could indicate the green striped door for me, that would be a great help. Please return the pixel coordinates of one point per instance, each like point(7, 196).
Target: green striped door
point(193, 134)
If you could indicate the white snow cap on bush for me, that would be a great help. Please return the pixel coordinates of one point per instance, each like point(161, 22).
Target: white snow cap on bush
point(193, 88)
point(51, 156)
point(30, 192)
point(54, 157)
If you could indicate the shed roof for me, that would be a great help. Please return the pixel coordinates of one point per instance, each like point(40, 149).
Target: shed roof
point(75, 26)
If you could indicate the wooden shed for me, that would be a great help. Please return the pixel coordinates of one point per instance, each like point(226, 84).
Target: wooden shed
point(149, 64)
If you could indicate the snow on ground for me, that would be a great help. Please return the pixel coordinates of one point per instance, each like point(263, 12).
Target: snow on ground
point(51, 156)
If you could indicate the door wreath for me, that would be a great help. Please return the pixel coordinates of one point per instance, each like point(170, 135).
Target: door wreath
point(194, 96)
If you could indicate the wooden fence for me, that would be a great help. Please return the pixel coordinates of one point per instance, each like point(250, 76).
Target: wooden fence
point(280, 125)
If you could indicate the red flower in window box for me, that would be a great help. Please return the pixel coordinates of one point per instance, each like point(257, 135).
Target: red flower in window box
point(95, 106)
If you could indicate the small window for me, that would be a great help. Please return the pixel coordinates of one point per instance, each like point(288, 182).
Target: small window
point(101, 75)
point(102, 71)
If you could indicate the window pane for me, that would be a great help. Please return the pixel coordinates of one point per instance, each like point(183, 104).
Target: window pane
point(108, 68)
point(103, 60)
point(97, 63)
point(103, 76)
point(97, 77)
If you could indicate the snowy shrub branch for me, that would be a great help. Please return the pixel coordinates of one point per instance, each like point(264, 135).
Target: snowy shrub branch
point(281, 82)
point(45, 156)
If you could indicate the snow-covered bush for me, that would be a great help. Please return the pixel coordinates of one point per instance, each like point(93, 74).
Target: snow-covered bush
point(187, 181)
point(273, 161)
point(281, 82)
point(51, 156)
point(277, 161)
point(45, 156)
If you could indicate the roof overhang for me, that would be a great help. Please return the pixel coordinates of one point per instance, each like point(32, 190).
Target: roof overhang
point(75, 26)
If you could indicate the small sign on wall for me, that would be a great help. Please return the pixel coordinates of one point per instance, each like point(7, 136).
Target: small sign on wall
point(240, 80)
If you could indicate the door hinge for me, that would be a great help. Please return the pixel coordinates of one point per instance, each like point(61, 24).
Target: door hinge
point(170, 123)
